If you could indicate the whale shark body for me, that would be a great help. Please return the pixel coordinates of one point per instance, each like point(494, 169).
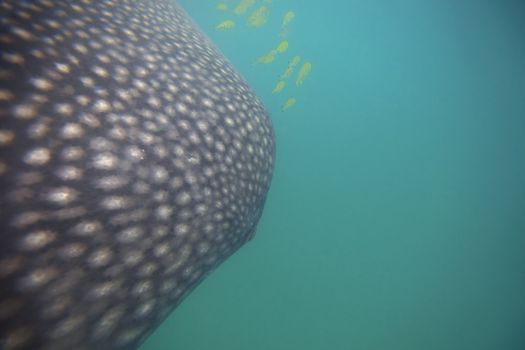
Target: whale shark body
point(134, 159)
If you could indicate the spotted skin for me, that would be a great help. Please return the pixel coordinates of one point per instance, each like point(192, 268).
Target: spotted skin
point(133, 161)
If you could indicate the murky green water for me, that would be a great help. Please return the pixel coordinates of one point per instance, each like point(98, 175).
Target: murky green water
point(396, 217)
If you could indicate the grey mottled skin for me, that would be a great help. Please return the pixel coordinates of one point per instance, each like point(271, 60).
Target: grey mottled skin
point(133, 161)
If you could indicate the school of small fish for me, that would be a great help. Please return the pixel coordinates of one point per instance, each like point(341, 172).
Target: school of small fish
point(257, 18)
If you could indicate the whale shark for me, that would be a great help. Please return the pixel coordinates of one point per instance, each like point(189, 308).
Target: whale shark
point(134, 160)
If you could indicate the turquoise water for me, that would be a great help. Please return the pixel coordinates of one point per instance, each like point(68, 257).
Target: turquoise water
point(396, 217)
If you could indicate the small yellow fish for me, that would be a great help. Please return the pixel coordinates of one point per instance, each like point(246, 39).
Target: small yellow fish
point(225, 25)
point(283, 46)
point(221, 6)
point(303, 73)
point(287, 73)
point(295, 61)
point(268, 58)
point(288, 17)
point(289, 103)
point(243, 6)
point(291, 66)
point(278, 88)
point(258, 17)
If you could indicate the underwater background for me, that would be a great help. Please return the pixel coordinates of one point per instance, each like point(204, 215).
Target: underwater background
point(396, 216)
